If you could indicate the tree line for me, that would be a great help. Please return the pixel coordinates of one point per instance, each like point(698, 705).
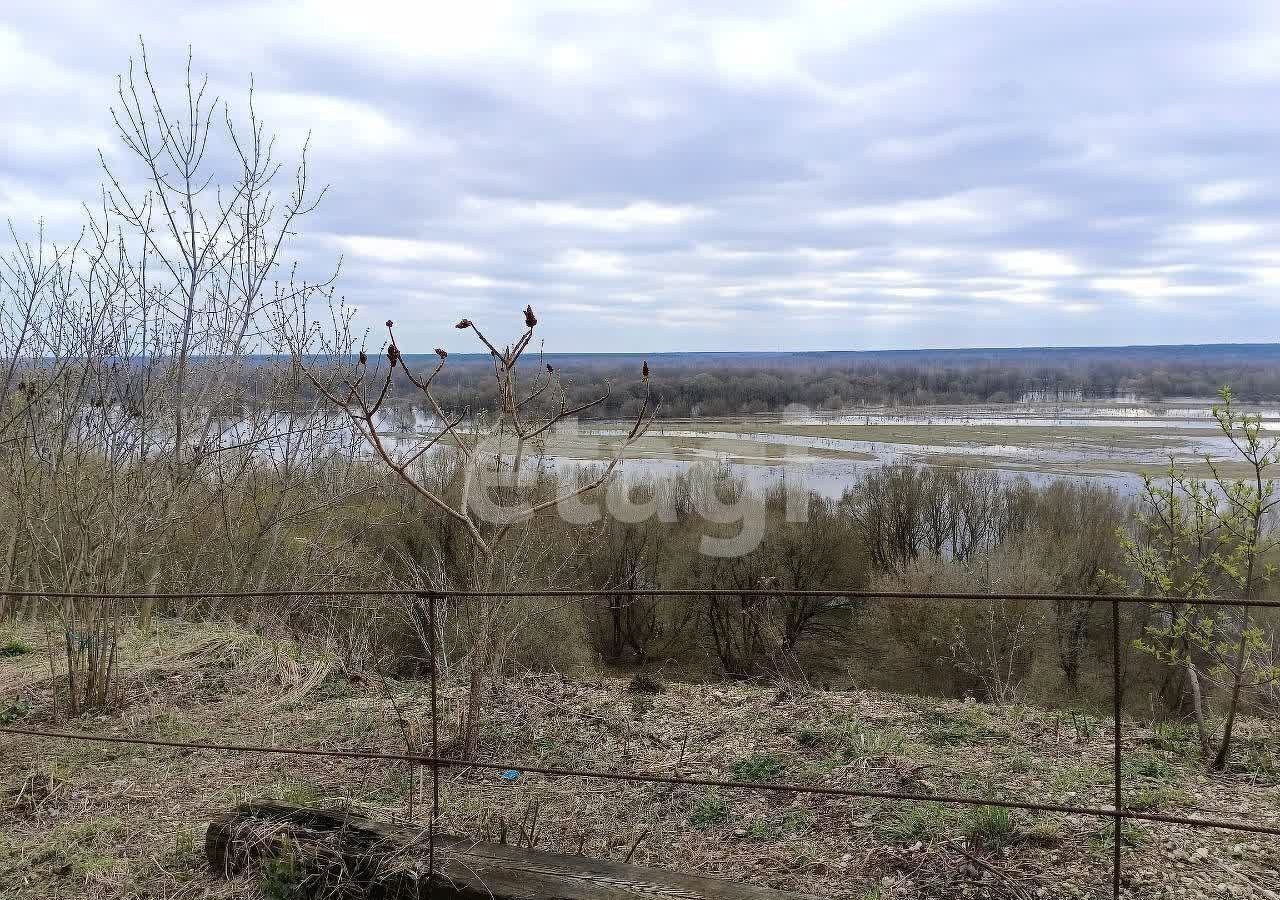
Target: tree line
point(716, 386)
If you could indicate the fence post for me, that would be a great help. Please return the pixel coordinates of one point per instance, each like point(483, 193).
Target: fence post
point(435, 746)
point(1117, 707)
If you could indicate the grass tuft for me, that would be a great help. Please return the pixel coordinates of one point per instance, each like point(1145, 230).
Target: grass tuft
point(708, 809)
point(758, 767)
point(15, 647)
point(991, 828)
point(644, 683)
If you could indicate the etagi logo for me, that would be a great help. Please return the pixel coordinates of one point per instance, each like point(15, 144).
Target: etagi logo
point(740, 514)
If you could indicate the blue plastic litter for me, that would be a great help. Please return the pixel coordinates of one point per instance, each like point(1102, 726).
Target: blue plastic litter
point(510, 775)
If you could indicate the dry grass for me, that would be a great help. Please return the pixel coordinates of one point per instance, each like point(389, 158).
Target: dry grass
point(101, 820)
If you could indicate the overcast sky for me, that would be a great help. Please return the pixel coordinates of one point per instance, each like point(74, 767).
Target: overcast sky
point(725, 175)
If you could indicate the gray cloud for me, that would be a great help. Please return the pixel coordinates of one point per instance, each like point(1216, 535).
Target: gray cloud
point(928, 174)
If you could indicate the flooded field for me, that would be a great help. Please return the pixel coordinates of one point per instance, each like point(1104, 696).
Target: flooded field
point(1113, 441)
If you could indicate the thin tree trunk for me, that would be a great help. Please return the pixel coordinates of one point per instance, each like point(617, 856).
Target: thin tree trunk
point(9, 605)
point(480, 662)
point(1197, 702)
point(1220, 761)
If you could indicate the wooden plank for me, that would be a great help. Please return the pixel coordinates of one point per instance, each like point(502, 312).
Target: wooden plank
point(342, 853)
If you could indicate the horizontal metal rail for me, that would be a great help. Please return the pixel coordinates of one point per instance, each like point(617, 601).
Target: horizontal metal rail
point(652, 778)
point(759, 593)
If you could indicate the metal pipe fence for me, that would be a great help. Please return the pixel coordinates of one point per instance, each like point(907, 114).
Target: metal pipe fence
point(1117, 813)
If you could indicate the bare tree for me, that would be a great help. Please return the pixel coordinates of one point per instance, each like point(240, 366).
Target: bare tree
point(132, 410)
point(491, 448)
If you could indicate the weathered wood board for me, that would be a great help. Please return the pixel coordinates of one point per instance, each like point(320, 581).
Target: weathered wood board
point(340, 853)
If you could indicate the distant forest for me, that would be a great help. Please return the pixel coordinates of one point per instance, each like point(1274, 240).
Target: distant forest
point(726, 384)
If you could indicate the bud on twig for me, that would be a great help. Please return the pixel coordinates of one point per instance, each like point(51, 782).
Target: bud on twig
point(393, 354)
point(441, 353)
point(465, 323)
point(644, 372)
point(390, 323)
point(529, 318)
point(364, 357)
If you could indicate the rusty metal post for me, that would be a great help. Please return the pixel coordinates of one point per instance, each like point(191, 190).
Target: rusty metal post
point(435, 746)
point(1117, 708)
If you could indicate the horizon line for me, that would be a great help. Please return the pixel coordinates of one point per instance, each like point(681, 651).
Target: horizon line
point(972, 349)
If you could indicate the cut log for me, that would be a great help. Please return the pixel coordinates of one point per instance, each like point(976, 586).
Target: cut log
point(339, 853)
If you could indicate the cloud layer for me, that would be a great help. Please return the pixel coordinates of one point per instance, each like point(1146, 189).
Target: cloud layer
point(728, 175)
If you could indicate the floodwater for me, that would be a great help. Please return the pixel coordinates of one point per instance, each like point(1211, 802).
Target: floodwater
point(1186, 412)
point(1108, 441)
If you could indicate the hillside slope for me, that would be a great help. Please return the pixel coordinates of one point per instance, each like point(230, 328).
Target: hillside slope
point(101, 820)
